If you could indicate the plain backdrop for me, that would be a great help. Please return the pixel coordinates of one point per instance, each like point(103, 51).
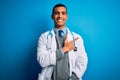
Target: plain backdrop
point(23, 21)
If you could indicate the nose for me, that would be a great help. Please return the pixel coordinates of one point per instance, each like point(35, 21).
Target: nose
point(60, 15)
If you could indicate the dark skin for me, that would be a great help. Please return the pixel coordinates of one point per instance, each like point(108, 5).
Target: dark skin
point(60, 16)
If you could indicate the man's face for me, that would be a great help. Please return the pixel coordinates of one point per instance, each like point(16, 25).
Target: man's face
point(59, 16)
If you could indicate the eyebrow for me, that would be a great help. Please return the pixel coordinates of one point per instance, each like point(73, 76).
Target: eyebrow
point(60, 12)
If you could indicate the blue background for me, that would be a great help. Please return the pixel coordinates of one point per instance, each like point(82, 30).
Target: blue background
point(23, 21)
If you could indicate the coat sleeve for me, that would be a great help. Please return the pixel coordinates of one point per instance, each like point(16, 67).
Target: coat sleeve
point(81, 59)
point(45, 56)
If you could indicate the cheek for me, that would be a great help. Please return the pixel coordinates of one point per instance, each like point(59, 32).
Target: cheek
point(65, 17)
point(55, 17)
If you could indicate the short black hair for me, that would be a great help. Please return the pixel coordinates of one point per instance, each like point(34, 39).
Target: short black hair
point(58, 5)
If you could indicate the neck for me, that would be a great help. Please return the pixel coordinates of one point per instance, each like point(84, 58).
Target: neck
point(59, 27)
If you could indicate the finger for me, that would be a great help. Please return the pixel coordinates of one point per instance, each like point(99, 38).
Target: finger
point(65, 41)
point(75, 39)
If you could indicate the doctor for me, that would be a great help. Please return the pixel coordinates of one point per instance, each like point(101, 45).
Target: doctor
point(60, 52)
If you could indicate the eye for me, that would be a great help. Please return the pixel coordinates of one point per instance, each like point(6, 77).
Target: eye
point(64, 13)
point(56, 13)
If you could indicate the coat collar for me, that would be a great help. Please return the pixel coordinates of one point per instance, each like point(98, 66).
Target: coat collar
point(70, 34)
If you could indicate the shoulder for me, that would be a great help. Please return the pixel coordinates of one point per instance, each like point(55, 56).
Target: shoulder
point(74, 34)
point(44, 34)
point(77, 35)
point(80, 41)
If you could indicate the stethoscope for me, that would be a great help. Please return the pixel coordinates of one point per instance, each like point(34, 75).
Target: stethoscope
point(50, 34)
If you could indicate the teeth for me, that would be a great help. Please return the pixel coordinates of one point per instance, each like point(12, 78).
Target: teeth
point(60, 20)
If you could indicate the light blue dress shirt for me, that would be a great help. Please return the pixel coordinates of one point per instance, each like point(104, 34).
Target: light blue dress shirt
point(64, 31)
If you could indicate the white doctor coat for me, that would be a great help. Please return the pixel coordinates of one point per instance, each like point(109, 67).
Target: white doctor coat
point(46, 55)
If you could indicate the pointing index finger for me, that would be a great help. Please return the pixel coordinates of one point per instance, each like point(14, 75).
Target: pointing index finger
point(75, 39)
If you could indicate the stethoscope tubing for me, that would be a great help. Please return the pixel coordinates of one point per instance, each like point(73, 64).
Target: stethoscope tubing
point(50, 34)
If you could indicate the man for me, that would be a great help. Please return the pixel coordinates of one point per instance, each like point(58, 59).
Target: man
point(61, 52)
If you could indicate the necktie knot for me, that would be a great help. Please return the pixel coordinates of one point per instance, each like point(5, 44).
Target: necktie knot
point(60, 33)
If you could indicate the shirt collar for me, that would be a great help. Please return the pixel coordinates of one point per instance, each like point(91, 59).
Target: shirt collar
point(64, 30)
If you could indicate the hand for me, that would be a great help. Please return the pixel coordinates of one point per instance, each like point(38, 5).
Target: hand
point(68, 46)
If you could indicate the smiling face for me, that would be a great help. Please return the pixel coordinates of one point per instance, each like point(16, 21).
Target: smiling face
point(59, 16)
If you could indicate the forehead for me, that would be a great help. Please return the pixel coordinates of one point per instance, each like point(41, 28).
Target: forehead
point(60, 9)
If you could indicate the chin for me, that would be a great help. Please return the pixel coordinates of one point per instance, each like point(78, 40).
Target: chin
point(60, 25)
